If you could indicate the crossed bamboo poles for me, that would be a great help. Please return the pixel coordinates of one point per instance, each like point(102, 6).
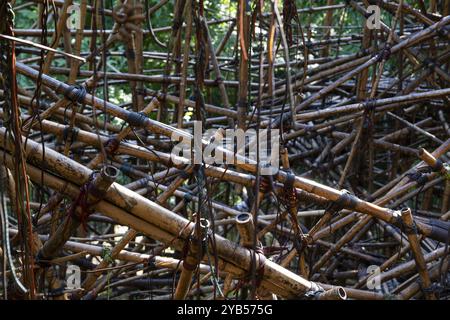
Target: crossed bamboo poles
point(304, 184)
point(156, 127)
point(345, 69)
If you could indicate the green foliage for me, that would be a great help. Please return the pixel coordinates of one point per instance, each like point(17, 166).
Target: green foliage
point(349, 21)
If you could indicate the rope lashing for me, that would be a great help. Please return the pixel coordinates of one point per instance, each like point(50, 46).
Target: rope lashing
point(196, 246)
point(290, 196)
point(151, 262)
point(260, 263)
point(75, 93)
point(345, 200)
point(82, 203)
point(112, 145)
point(125, 16)
point(185, 174)
point(136, 119)
point(420, 178)
point(433, 288)
point(314, 291)
point(89, 195)
point(259, 249)
point(410, 230)
point(142, 183)
point(369, 105)
point(398, 221)
point(41, 260)
point(126, 168)
point(265, 184)
point(439, 165)
point(70, 133)
point(429, 63)
point(290, 191)
point(187, 197)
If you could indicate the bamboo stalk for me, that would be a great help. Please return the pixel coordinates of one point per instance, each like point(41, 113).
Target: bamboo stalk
point(417, 251)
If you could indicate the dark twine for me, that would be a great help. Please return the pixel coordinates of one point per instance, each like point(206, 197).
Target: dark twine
point(420, 178)
point(384, 54)
point(314, 292)
point(136, 119)
point(73, 133)
point(346, 200)
point(75, 93)
point(112, 145)
point(370, 105)
point(265, 184)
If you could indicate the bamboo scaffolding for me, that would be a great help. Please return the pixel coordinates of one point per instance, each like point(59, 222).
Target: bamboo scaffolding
point(91, 118)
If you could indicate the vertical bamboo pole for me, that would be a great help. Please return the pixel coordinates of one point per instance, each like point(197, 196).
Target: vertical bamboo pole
point(417, 253)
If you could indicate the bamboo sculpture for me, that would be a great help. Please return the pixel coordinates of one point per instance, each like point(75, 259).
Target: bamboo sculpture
point(106, 121)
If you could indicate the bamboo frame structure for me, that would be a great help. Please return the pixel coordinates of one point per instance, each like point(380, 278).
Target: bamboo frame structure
point(93, 116)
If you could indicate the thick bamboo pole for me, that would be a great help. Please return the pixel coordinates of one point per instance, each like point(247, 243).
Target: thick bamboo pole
point(287, 283)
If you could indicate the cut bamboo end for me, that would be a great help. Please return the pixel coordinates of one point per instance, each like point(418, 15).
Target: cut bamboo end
point(246, 229)
point(336, 293)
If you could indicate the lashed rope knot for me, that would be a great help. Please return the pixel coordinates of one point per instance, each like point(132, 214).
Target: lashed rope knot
point(112, 145)
point(420, 178)
point(345, 201)
point(91, 193)
point(136, 119)
point(290, 193)
point(429, 63)
point(75, 93)
point(439, 165)
point(384, 53)
point(259, 274)
point(404, 227)
point(187, 197)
